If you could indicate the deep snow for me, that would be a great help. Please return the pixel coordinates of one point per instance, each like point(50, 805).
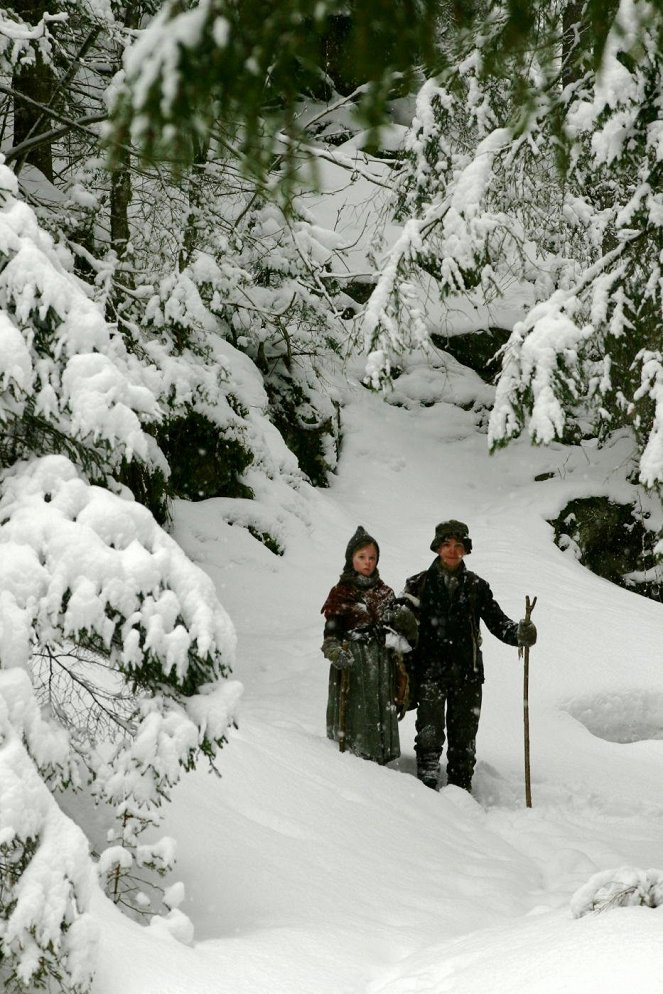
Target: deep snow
point(311, 871)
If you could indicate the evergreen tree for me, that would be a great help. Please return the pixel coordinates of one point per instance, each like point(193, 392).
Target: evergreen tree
point(547, 179)
point(159, 308)
point(123, 639)
point(150, 241)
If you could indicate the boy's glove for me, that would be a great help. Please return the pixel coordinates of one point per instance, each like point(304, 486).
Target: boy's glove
point(337, 655)
point(403, 622)
point(526, 633)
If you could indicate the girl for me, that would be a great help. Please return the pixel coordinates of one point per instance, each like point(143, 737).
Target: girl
point(366, 629)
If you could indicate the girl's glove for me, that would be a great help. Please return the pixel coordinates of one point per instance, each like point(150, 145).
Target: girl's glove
point(338, 655)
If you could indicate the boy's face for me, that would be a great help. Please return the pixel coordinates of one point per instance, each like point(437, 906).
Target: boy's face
point(451, 553)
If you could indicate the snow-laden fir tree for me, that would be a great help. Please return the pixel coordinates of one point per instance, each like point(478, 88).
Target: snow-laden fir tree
point(193, 269)
point(244, 276)
point(545, 179)
point(113, 645)
point(118, 660)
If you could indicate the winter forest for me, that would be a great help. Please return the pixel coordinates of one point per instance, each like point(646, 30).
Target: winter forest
point(241, 243)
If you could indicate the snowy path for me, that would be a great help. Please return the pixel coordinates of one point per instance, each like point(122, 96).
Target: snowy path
point(311, 871)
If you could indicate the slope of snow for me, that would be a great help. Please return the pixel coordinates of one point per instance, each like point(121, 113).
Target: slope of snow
point(307, 870)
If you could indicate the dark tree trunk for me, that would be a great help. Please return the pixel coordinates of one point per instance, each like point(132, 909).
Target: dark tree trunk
point(571, 26)
point(120, 199)
point(36, 82)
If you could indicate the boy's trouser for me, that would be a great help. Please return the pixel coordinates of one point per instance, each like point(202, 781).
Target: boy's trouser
point(456, 708)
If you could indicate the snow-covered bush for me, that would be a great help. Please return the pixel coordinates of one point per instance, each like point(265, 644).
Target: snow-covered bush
point(83, 564)
point(256, 282)
point(620, 888)
point(46, 875)
point(67, 382)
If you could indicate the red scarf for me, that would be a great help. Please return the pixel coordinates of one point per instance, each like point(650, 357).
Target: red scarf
point(358, 607)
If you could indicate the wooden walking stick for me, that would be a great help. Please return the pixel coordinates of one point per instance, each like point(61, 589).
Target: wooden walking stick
point(524, 652)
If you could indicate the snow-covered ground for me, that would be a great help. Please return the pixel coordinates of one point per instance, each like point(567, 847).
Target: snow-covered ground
point(311, 871)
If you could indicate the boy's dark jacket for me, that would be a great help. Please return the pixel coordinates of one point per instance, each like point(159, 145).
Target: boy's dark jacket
point(448, 651)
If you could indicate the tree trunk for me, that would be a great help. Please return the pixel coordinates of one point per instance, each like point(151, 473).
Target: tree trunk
point(571, 26)
point(35, 81)
point(120, 199)
point(121, 188)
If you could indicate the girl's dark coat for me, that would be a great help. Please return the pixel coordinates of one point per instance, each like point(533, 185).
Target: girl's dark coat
point(355, 616)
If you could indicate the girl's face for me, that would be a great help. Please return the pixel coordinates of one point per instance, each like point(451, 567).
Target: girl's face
point(365, 560)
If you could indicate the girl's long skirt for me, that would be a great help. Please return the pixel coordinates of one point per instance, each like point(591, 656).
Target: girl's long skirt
point(371, 717)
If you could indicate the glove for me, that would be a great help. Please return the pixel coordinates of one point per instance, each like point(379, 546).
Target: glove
point(403, 622)
point(337, 655)
point(526, 633)
point(344, 659)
